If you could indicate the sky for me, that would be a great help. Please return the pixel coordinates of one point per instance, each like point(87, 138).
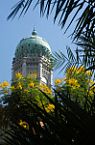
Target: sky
point(12, 31)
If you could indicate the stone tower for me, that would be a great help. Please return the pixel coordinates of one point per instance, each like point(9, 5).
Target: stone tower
point(33, 55)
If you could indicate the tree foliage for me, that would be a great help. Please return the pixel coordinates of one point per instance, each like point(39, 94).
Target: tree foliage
point(68, 122)
point(83, 11)
point(64, 121)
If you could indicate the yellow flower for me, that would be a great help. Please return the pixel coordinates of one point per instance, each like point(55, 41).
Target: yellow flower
point(89, 73)
point(58, 81)
point(45, 89)
point(31, 85)
point(19, 76)
point(50, 107)
point(73, 83)
point(19, 86)
point(4, 84)
point(24, 124)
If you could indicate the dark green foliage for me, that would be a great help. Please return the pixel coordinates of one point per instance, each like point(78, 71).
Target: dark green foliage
point(83, 11)
point(69, 124)
point(87, 51)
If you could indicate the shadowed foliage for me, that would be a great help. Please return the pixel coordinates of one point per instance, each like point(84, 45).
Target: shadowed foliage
point(67, 124)
point(87, 51)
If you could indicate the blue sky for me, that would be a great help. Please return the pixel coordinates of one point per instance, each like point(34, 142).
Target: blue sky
point(12, 31)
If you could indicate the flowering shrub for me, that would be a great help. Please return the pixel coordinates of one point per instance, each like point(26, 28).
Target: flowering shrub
point(22, 91)
point(29, 88)
point(73, 83)
point(45, 89)
point(78, 83)
point(33, 117)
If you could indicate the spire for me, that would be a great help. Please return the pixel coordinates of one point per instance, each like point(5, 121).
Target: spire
point(34, 31)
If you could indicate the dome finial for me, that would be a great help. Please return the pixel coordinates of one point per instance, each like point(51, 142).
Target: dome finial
point(34, 31)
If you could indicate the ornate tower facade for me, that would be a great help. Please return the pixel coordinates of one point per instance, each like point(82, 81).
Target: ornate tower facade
point(33, 56)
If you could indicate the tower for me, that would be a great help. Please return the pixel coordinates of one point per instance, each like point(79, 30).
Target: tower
point(33, 55)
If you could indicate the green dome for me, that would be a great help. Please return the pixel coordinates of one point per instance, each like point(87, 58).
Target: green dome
point(32, 46)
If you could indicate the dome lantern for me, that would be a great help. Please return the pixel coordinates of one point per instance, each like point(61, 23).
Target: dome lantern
point(34, 32)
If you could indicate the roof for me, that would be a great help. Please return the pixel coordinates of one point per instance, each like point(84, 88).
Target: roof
point(32, 45)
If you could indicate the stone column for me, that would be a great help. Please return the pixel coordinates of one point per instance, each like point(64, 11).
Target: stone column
point(50, 78)
point(40, 71)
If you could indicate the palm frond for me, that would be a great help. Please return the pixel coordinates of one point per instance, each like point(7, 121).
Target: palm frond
point(82, 10)
point(87, 51)
point(85, 23)
point(21, 5)
point(64, 62)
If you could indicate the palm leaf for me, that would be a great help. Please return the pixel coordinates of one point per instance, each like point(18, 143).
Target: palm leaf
point(16, 8)
point(62, 11)
point(63, 62)
point(87, 51)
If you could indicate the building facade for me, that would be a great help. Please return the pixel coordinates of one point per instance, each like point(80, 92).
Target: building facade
point(33, 56)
